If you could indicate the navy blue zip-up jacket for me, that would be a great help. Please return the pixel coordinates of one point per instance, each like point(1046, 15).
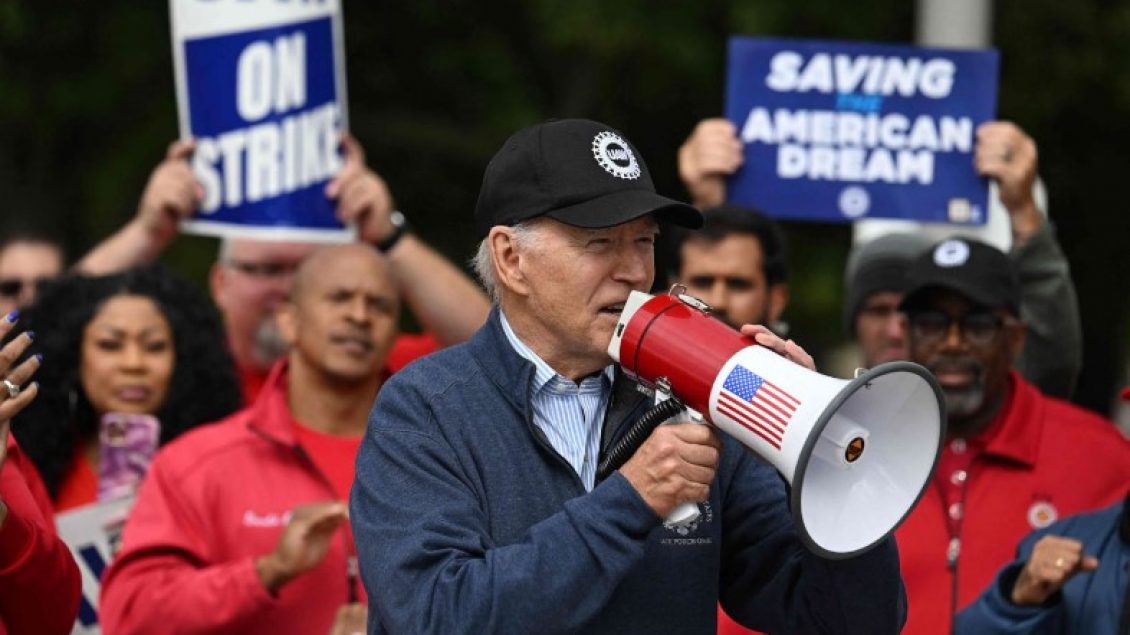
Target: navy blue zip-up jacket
point(1089, 603)
point(467, 521)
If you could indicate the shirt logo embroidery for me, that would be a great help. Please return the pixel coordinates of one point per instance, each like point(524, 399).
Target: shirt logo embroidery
point(267, 520)
point(1041, 514)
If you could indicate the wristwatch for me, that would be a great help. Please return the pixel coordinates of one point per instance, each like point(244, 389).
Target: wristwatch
point(399, 228)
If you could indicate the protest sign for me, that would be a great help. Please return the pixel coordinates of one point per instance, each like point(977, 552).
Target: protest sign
point(92, 532)
point(837, 131)
point(261, 88)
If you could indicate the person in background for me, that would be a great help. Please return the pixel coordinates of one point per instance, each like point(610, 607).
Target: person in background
point(26, 262)
point(1013, 460)
point(250, 278)
point(477, 479)
point(1069, 577)
point(39, 580)
point(1053, 350)
point(142, 342)
point(737, 264)
point(275, 554)
point(874, 284)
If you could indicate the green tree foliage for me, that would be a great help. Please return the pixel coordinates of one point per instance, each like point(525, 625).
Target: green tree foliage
point(87, 107)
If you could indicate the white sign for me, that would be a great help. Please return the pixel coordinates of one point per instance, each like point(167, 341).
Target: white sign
point(261, 88)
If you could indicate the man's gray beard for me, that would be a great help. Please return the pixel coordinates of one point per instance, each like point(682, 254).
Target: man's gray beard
point(965, 402)
point(269, 345)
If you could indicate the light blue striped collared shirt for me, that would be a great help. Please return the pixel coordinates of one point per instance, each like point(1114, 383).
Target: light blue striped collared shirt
point(570, 415)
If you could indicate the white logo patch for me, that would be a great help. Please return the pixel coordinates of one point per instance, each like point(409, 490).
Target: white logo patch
point(705, 516)
point(952, 253)
point(854, 201)
point(615, 156)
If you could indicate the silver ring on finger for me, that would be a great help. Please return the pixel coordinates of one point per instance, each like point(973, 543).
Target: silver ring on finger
point(13, 389)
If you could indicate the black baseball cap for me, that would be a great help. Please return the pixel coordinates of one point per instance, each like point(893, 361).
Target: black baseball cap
point(980, 272)
point(576, 171)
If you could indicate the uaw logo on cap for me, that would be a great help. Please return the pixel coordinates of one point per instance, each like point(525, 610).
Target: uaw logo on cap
point(615, 156)
point(952, 253)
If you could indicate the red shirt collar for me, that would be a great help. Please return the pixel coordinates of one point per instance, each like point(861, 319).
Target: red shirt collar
point(1014, 433)
point(270, 412)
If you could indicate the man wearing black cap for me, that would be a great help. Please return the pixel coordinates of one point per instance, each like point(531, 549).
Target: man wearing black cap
point(1014, 459)
point(476, 508)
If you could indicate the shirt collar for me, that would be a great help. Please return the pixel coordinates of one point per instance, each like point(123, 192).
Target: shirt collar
point(544, 375)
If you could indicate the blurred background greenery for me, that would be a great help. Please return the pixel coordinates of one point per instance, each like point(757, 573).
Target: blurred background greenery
point(87, 107)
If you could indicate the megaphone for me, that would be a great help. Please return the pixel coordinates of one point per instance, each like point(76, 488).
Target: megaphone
point(857, 453)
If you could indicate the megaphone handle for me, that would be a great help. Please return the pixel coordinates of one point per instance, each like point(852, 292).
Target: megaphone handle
point(685, 513)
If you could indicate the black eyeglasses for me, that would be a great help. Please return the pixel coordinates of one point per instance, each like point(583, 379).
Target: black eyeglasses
point(978, 327)
point(262, 269)
point(13, 287)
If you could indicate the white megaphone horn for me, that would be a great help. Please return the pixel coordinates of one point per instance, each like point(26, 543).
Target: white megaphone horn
point(857, 453)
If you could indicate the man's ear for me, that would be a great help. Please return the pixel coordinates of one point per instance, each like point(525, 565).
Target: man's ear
point(778, 299)
point(506, 257)
point(287, 322)
point(216, 284)
point(1017, 332)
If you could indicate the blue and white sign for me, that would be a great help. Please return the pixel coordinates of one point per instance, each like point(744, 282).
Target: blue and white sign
point(261, 88)
point(838, 131)
point(93, 532)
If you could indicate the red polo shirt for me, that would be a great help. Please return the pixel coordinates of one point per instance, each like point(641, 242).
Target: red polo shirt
point(1039, 460)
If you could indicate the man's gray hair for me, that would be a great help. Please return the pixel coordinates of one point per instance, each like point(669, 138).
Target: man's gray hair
point(526, 235)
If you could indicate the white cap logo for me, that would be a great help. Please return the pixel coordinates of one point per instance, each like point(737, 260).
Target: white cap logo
point(952, 253)
point(615, 156)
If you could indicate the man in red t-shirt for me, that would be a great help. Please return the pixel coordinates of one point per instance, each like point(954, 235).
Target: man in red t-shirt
point(241, 526)
point(250, 278)
point(1014, 459)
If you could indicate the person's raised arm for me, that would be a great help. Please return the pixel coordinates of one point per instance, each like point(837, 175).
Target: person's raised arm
point(443, 298)
point(1053, 353)
point(39, 580)
point(1025, 595)
point(171, 195)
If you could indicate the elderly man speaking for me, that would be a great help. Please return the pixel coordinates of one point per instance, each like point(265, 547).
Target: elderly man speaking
point(476, 507)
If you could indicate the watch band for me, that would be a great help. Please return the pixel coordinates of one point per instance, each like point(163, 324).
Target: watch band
point(399, 228)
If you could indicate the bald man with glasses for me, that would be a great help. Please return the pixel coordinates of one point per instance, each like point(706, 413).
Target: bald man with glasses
point(1014, 459)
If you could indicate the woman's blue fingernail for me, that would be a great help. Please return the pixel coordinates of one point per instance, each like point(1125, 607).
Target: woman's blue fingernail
point(39, 357)
point(13, 316)
point(30, 334)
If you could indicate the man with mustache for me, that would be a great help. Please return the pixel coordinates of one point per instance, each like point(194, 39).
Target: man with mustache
point(477, 506)
point(236, 528)
point(1014, 459)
